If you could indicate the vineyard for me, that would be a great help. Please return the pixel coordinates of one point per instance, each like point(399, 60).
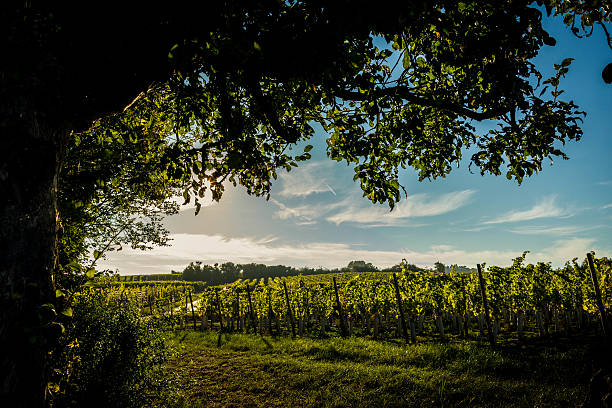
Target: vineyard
point(519, 302)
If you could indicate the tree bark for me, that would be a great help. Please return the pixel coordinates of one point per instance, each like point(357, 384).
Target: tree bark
point(50, 82)
point(28, 227)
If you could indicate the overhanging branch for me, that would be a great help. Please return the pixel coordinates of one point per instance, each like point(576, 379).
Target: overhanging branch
point(406, 94)
point(270, 113)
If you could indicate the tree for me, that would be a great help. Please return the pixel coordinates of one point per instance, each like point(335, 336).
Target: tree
point(360, 266)
point(112, 192)
point(237, 82)
point(440, 267)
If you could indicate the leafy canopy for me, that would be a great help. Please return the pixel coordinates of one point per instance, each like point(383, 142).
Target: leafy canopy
point(232, 84)
point(396, 85)
point(249, 78)
point(114, 187)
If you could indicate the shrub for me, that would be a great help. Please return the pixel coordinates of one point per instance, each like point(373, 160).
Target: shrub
point(106, 355)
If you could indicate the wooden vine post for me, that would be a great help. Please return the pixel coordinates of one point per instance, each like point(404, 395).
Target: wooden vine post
point(598, 298)
point(251, 314)
point(401, 309)
point(486, 307)
point(343, 329)
point(289, 310)
point(192, 311)
point(270, 313)
point(219, 310)
point(238, 309)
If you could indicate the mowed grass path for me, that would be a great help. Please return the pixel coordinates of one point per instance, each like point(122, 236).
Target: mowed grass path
point(240, 370)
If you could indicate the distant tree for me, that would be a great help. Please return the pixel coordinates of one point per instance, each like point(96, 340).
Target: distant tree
point(413, 268)
point(360, 266)
point(193, 272)
point(230, 272)
point(394, 268)
point(403, 266)
point(439, 267)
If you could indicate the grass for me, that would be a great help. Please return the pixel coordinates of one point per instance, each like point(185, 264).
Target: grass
point(241, 370)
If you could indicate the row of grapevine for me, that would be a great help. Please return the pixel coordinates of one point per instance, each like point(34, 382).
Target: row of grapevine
point(521, 298)
point(152, 297)
point(149, 277)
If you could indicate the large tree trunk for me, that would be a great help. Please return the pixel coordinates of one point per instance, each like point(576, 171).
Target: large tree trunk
point(28, 217)
point(61, 68)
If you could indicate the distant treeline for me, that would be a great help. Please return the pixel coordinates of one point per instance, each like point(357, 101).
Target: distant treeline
point(229, 272)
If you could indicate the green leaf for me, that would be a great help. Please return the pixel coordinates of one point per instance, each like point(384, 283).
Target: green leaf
point(67, 312)
point(90, 273)
point(307, 148)
point(58, 293)
point(606, 74)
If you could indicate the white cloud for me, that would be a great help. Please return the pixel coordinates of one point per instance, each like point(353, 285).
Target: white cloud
point(605, 183)
point(215, 248)
point(306, 213)
point(285, 212)
point(605, 207)
point(546, 208)
point(476, 229)
point(418, 205)
point(544, 230)
point(305, 180)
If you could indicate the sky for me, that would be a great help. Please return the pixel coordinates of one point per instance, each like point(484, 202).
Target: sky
point(317, 217)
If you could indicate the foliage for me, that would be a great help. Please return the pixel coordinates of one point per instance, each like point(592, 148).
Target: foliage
point(519, 288)
point(392, 89)
point(114, 189)
point(409, 100)
point(106, 355)
point(359, 266)
point(229, 272)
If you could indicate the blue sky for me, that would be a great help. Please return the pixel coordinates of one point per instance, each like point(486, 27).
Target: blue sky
point(316, 215)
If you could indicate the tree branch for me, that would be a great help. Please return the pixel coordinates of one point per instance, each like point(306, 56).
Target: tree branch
point(607, 33)
point(270, 113)
point(407, 95)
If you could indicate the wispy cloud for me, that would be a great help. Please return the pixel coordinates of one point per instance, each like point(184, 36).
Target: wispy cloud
point(545, 230)
point(305, 213)
point(545, 208)
point(285, 212)
point(215, 248)
point(605, 183)
point(306, 180)
point(476, 229)
point(606, 206)
point(418, 205)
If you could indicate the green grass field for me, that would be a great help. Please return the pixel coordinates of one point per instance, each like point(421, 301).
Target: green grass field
point(244, 370)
